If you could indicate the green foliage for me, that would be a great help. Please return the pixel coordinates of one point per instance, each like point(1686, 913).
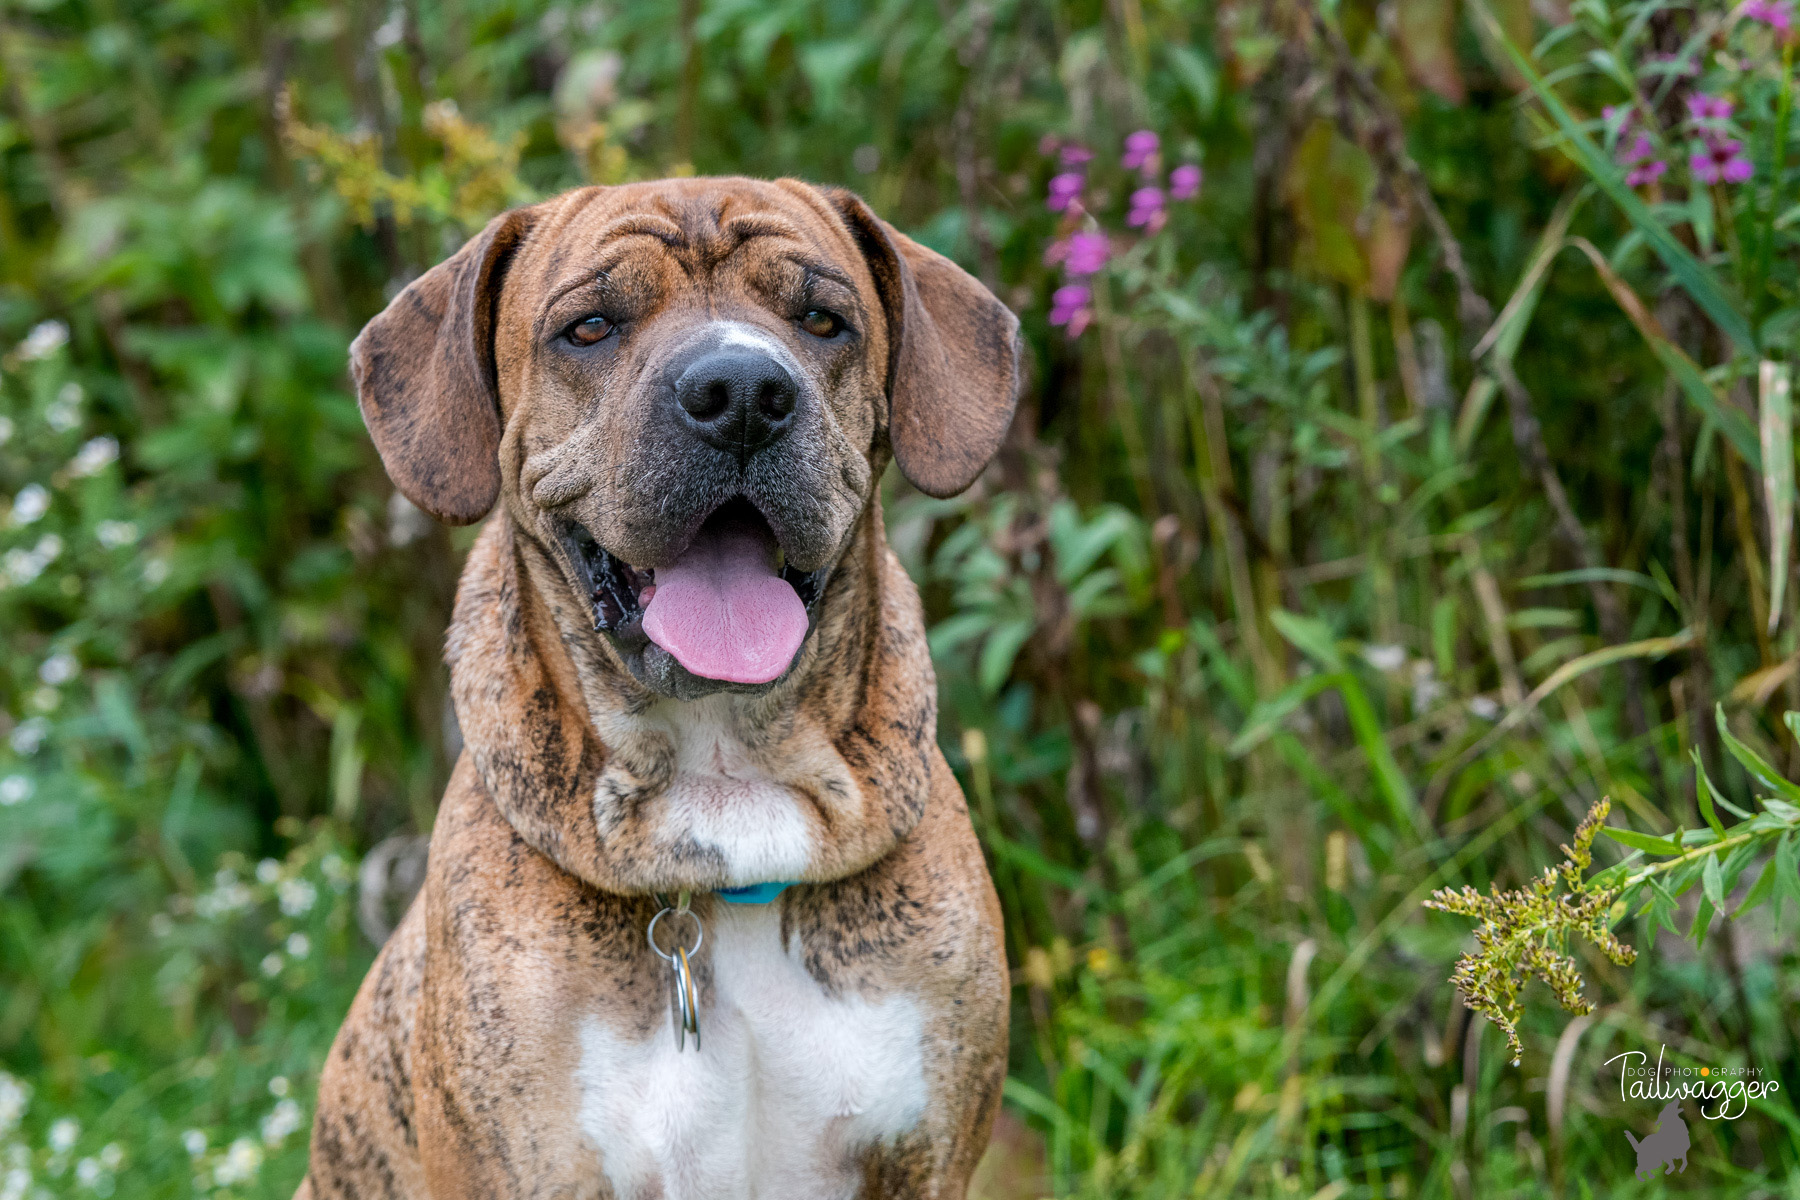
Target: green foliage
point(1262, 630)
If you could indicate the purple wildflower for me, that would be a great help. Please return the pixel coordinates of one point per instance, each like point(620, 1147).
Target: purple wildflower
point(1645, 173)
point(1722, 159)
point(1074, 156)
point(1773, 13)
point(1702, 107)
point(1070, 306)
point(1065, 189)
point(1140, 151)
point(1086, 254)
point(1184, 182)
point(1147, 209)
point(1641, 147)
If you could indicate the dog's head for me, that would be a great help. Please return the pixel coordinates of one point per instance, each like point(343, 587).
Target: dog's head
point(686, 391)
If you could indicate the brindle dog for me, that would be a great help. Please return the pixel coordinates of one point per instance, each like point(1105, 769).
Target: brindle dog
point(683, 658)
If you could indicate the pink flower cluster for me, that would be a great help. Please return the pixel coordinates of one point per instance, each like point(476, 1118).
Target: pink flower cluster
point(1717, 158)
point(1636, 150)
point(1083, 253)
point(1776, 14)
point(1720, 157)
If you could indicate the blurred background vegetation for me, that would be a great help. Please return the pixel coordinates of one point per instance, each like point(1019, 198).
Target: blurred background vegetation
point(1406, 464)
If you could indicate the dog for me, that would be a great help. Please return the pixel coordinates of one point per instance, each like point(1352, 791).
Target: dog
point(688, 672)
point(1668, 1142)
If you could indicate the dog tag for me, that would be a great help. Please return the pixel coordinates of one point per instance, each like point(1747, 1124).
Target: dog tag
point(684, 997)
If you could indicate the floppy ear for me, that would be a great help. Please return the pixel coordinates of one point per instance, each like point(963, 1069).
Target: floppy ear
point(953, 356)
point(424, 372)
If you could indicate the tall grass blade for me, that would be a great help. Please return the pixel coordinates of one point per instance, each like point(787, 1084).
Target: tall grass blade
point(1686, 371)
point(1508, 329)
point(1314, 639)
point(1776, 413)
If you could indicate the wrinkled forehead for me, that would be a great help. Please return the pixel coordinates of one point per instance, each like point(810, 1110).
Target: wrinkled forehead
point(640, 248)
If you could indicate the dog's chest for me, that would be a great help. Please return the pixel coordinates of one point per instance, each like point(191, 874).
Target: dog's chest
point(722, 800)
point(788, 1087)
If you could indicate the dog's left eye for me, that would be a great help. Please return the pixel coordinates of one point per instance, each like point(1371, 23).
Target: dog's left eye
point(822, 322)
point(591, 330)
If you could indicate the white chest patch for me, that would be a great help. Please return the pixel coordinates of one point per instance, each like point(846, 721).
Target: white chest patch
point(722, 799)
point(789, 1084)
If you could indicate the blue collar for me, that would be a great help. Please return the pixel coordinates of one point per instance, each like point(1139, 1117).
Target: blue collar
point(755, 893)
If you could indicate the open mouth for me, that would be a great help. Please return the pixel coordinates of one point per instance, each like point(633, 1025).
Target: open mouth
point(729, 607)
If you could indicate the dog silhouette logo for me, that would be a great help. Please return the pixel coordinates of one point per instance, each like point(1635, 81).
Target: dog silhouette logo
point(1664, 1146)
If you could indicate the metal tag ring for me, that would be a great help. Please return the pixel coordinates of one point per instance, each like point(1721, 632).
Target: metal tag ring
point(669, 956)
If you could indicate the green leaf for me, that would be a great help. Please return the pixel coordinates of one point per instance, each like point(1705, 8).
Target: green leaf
point(1754, 763)
point(1591, 575)
point(1703, 788)
point(1759, 891)
point(1640, 841)
point(1266, 718)
point(1787, 876)
point(1712, 883)
point(1694, 278)
point(999, 651)
point(1310, 636)
point(1703, 917)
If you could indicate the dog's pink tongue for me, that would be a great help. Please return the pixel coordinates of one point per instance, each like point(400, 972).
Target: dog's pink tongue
point(723, 612)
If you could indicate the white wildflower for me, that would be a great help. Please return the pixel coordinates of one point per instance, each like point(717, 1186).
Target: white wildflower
point(268, 871)
point(1427, 688)
point(15, 1184)
point(1385, 657)
point(229, 894)
point(95, 455)
point(64, 412)
point(281, 1122)
point(1485, 707)
point(298, 946)
point(194, 1142)
point(27, 736)
point(14, 789)
point(272, 964)
point(63, 1134)
point(407, 522)
point(155, 571)
point(240, 1163)
point(32, 502)
point(59, 668)
point(278, 1086)
point(297, 897)
point(88, 1172)
point(45, 699)
point(113, 534)
point(15, 1096)
point(337, 871)
point(45, 339)
point(22, 566)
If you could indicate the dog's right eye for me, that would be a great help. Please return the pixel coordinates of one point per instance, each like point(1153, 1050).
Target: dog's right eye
point(590, 330)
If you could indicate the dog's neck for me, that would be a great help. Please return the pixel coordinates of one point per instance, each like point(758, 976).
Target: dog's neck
point(812, 781)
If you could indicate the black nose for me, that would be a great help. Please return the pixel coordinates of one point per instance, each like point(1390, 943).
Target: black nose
point(737, 400)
